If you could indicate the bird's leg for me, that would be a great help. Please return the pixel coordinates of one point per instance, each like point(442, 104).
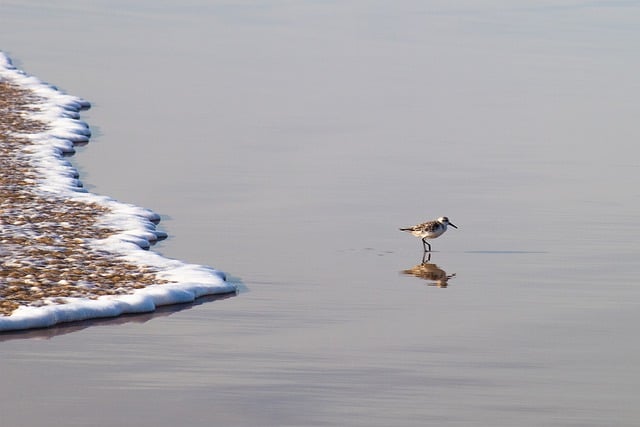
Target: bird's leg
point(425, 244)
point(426, 257)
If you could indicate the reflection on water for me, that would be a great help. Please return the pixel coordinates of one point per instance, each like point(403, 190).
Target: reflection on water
point(429, 272)
point(67, 328)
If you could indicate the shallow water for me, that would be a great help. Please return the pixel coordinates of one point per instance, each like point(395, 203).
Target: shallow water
point(286, 143)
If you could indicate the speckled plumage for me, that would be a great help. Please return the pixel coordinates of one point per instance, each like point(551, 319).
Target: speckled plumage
point(429, 230)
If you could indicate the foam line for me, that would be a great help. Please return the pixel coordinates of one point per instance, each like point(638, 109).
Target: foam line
point(135, 226)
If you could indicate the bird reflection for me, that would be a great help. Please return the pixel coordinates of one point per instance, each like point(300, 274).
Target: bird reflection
point(429, 272)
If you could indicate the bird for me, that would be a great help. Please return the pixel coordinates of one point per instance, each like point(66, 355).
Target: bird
point(429, 230)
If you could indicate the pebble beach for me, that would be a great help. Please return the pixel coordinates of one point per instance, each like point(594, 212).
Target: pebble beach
point(65, 252)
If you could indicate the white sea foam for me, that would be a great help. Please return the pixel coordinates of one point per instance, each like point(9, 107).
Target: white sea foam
point(56, 175)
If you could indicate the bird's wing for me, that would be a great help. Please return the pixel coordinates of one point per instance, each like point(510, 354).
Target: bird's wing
point(427, 226)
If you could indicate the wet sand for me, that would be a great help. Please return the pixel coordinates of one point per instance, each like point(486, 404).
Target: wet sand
point(285, 144)
point(67, 254)
point(46, 255)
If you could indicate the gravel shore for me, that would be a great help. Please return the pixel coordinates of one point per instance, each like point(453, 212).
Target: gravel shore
point(48, 250)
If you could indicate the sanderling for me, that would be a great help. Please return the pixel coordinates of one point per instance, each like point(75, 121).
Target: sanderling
point(429, 230)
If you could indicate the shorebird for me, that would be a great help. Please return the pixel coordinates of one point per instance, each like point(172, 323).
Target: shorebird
point(429, 230)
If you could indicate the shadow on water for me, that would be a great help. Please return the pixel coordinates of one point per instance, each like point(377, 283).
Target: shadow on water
point(71, 327)
point(430, 272)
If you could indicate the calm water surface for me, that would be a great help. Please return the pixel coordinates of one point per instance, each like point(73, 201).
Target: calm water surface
point(285, 143)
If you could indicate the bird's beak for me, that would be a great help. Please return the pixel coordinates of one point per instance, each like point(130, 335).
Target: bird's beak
point(454, 226)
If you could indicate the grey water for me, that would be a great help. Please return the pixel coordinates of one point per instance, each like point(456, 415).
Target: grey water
point(285, 143)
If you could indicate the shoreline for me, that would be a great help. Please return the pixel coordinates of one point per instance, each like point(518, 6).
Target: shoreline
point(67, 254)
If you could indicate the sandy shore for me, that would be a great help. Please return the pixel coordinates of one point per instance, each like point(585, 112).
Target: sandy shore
point(48, 243)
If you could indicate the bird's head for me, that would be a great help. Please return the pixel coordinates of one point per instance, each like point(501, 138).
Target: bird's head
point(445, 221)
